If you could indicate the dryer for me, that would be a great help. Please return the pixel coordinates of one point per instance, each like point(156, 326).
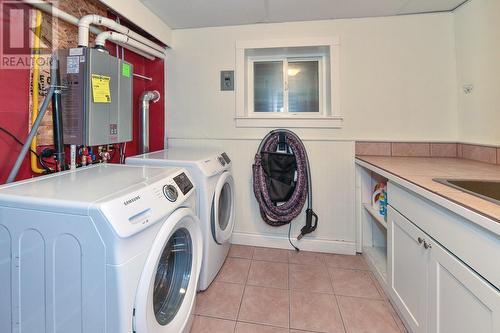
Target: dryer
point(107, 248)
point(211, 170)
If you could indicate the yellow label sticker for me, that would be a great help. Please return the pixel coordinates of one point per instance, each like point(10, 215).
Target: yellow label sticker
point(100, 89)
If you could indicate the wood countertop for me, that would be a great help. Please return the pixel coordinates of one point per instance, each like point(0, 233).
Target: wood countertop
point(421, 171)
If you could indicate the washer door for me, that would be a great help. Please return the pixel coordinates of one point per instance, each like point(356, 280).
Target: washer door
point(167, 288)
point(222, 216)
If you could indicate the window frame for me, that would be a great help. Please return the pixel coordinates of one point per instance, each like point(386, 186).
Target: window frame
point(330, 114)
point(285, 60)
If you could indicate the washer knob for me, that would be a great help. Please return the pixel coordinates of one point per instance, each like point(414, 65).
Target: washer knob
point(222, 161)
point(170, 192)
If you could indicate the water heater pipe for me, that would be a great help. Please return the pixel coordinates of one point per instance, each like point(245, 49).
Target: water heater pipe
point(60, 14)
point(87, 20)
point(146, 98)
point(112, 36)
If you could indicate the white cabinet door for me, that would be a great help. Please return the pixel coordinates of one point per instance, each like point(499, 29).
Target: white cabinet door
point(460, 301)
point(408, 263)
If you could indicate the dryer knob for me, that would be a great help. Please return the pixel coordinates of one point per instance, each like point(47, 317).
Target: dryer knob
point(170, 192)
point(222, 161)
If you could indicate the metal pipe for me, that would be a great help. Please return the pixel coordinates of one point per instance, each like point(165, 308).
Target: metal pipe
point(35, 82)
point(56, 12)
point(146, 98)
point(43, 109)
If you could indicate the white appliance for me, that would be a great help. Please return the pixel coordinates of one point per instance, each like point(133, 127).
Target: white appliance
point(212, 174)
point(108, 248)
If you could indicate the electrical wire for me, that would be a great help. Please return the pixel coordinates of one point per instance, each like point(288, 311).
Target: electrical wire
point(290, 238)
point(42, 162)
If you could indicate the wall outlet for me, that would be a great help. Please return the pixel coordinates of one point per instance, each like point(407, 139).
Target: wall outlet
point(226, 80)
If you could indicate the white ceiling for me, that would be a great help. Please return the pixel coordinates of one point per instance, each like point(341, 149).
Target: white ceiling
point(179, 14)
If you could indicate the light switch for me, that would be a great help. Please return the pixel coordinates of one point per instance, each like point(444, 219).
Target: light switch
point(226, 80)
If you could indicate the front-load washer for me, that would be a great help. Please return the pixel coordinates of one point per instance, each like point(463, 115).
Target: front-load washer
point(107, 248)
point(212, 175)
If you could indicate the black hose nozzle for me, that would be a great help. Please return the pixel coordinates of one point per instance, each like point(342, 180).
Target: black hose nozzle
point(310, 225)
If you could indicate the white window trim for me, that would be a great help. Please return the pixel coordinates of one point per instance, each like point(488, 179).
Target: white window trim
point(245, 117)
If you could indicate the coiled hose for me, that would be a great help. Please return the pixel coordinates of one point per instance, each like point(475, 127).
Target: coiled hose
point(284, 213)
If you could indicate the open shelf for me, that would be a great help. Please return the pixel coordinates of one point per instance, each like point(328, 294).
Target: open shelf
point(379, 218)
point(378, 258)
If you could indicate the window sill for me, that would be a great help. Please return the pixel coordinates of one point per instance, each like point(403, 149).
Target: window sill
point(302, 122)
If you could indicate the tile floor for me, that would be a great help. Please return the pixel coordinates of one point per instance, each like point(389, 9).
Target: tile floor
point(261, 290)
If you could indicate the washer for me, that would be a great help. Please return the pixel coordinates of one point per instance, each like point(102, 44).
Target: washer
point(212, 175)
point(107, 248)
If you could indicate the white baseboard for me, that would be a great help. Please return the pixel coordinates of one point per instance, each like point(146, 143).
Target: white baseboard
point(280, 242)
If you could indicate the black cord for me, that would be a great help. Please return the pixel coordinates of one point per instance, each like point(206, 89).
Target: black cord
point(31, 150)
point(289, 238)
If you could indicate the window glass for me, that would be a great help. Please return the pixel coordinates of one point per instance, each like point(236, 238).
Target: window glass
point(303, 86)
point(268, 86)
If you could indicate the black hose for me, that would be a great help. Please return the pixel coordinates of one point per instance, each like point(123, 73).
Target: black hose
point(57, 123)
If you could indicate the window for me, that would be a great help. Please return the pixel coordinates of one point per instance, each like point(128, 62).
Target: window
point(287, 86)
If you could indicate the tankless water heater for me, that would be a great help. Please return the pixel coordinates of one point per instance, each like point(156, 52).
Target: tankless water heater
point(96, 97)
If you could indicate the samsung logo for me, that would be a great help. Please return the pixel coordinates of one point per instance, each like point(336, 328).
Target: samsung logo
point(132, 200)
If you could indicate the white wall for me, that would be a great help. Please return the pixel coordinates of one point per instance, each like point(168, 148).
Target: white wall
point(477, 26)
point(398, 82)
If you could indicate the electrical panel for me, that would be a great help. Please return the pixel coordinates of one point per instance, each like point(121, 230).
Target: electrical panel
point(96, 99)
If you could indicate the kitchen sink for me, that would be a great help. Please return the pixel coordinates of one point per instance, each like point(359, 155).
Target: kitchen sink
point(486, 189)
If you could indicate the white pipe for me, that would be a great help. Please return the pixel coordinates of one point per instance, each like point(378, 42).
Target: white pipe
point(56, 12)
point(87, 20)
point(116, 37)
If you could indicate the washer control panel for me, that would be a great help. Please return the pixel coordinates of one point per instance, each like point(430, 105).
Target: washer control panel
point(184, 183)
point(170, 192)
point(136, 210)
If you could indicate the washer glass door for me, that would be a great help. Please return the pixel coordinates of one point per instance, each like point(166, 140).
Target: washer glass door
point(172, 276)
point(222, 219)
point(166, 292)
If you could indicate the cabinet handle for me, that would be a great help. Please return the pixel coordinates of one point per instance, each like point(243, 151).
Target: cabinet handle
point(427, 245)
point(420, 240)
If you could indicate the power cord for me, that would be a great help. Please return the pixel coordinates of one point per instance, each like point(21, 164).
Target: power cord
point(39, 157)
point(290, 238)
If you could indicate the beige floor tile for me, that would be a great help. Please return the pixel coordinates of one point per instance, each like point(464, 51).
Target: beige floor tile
point(234, 270)
point(310, 277)
point(221, 300)
point(345, 261)
point(363, 315)
point(268, 306)
point(241, 251)
point(254, 328)
point(268, 274)
point(267, 254)
point(356, 283)
point(314, 312)
point(300, 331)
point(305, 258)
point(211, 325)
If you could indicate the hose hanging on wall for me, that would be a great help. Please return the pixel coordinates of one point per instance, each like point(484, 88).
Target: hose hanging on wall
point(282, 180)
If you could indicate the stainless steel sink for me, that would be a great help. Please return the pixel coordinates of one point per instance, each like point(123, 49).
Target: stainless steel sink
point(486, 189)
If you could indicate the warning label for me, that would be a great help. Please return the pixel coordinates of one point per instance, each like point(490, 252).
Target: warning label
point(100, 89)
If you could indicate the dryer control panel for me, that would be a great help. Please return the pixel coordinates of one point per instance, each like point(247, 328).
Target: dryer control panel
point(215, 164)
point(136, 210)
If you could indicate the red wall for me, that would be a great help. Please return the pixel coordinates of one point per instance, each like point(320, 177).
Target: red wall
point(14, 110)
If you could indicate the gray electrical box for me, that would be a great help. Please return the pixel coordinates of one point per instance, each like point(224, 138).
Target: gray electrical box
point(96, 97)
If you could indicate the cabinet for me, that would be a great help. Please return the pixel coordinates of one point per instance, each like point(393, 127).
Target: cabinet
point(434, 291)
point(460, 301)
point(408, 263)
